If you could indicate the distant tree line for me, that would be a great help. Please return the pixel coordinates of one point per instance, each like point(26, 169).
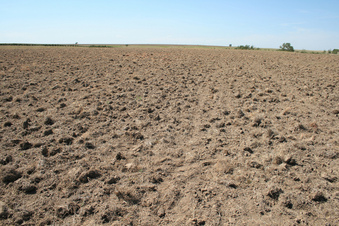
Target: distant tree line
point(245, 47)
point(24, 44)
point(60, 45)
point(100, 46)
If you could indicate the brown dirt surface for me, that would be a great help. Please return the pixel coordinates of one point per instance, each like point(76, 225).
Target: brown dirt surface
point(168, 136)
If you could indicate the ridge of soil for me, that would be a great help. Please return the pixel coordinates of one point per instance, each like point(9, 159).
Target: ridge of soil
point(155, 136)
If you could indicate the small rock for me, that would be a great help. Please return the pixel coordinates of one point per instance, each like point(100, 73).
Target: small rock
point(336, 111)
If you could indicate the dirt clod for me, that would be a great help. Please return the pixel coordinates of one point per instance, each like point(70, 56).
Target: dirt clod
point(48, 132)
point(274, 193)
point(10, 175)
point(66, 140)
point(49, 121)
point(6, 160)
point(3, 210)
point(8, 124)
point(248, 149)
point(91, 174)
point(89, 145)
point(26, 145)
point(28, 188)
point(113, 180)
point(318, 197)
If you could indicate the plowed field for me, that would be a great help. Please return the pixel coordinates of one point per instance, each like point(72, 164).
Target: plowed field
point(178, 136)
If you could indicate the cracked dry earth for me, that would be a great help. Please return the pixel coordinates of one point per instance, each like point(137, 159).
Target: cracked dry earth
point(177, 136)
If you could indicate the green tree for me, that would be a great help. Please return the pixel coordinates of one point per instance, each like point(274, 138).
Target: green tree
point(287, 47)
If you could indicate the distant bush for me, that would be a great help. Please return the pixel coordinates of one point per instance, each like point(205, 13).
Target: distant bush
point(245, 47)
point(287, 47)
point(335, 51)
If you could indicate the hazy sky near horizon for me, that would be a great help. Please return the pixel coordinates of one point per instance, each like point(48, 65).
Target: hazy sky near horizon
point(306, 24)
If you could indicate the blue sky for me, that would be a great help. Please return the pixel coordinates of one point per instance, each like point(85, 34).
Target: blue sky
point(306, 24)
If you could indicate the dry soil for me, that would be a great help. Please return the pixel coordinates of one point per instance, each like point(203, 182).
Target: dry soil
point(168, 136)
